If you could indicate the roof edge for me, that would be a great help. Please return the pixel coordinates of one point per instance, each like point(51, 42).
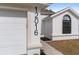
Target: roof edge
point(66, 9)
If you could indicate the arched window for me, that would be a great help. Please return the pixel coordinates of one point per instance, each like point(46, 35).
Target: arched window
point(66, 24)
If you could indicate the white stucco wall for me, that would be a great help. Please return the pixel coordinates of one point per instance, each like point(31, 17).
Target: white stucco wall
point(53, 28)
point(47, 28)
point(42, 27)
point(33, 41)
point(43, 16)
point(42, 24)
point(57, 27)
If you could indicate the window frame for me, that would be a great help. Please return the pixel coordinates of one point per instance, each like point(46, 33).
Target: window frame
point(66, 25)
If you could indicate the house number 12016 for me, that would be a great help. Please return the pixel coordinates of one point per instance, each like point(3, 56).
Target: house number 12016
point(36, 21)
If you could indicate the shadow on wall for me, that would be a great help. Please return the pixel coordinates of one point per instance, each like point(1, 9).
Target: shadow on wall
point(46, 28)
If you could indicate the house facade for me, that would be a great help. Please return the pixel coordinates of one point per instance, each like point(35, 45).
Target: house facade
point(20, 28)
point(62, 25)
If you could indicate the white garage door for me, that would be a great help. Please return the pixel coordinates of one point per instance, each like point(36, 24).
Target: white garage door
point(12, 32)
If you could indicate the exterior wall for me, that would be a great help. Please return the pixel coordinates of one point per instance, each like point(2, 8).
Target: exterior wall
point(42, 27)
point(47, 28)
point(33, 41)
point(43, 16)
point(57, 27)
point(42, 24)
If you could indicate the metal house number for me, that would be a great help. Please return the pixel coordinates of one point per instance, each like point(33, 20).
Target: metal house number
point(36, 21)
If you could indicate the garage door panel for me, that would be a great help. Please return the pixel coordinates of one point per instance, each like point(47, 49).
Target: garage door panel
point(12, 34)
point(11, 51)
point(12, 20)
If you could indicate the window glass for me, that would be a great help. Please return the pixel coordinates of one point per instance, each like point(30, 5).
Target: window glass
point(66, 24)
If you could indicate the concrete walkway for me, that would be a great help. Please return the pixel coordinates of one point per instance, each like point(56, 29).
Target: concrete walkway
point(49, 50)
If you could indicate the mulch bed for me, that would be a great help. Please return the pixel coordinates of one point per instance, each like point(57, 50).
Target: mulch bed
point(67, 47)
